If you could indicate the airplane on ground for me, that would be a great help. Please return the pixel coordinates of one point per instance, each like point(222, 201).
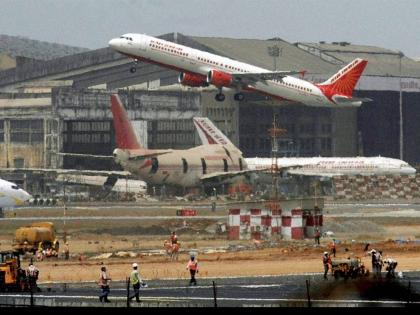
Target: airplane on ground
point(185, 168)
point(200, 68)
point(311, 166)
point(12, 195)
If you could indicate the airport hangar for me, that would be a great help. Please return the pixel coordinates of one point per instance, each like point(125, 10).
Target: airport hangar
point(62, 105)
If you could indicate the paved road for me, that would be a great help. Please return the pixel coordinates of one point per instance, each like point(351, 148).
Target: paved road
point(249, 291)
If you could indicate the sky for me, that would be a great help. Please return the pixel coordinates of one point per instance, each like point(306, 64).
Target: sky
point(391, 24)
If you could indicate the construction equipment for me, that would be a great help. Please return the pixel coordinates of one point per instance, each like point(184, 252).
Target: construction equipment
point(350, 267)
point(12, 277)
point(38, 236)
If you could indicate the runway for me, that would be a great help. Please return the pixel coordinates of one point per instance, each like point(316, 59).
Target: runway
point(289, 290)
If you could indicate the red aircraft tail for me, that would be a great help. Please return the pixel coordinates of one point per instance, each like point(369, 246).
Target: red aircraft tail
point(343, 82)
point(124, 133)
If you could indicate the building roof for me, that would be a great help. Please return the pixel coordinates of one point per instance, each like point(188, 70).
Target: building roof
point(381, 61)
point(255, 51)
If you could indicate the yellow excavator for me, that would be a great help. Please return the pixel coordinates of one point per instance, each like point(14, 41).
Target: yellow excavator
point(12, 276)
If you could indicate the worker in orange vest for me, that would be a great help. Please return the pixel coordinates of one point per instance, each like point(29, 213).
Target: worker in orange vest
point(192, 266)
point(174, 238)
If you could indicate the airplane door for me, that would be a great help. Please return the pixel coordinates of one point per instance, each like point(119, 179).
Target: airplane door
point(143, 43)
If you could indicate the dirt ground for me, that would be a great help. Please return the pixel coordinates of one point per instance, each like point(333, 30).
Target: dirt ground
point(286, 258)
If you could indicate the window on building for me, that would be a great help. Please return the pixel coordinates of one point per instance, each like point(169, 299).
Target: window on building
point(19, 162)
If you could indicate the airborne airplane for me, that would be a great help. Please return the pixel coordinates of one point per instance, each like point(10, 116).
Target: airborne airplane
point(184, 168)
point(199, 68)
point(311, 166)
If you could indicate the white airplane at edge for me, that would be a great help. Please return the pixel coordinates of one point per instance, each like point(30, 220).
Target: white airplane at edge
point(311, 166)
point(200, 68)
point(11, 195)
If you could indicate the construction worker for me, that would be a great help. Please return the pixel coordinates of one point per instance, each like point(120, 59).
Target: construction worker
point(392, 264)
point(379, 263)
point(104, 280)
point(32, 276)
point(192, 266)
point(66, 251)
point(326, 261)
point(135, 281)
point(317, 235)
point(333, 247)
point(374, 265)
point(174, 238)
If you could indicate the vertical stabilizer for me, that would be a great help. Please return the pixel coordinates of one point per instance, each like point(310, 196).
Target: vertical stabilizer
point(344, 81)
point(124, 133)
point(209, 133)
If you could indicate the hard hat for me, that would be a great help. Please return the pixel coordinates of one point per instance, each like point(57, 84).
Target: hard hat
point(135, 265)
point(325, 253)
point(373, 251)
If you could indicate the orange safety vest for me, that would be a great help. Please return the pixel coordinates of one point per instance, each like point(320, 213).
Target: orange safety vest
point(192, 265)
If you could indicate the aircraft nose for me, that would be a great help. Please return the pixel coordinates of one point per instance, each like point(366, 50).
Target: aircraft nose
point(114, 43)
point(26, 196)
point(410, 170)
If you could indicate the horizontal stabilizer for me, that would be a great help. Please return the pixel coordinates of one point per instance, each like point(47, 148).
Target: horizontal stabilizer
point(104, 157)
point(350, 101)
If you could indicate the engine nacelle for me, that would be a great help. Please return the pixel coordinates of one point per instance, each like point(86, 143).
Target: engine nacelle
point(189, 79)
point(219, 78)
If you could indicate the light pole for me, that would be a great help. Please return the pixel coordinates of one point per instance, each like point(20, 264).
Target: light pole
point(275, 52)
point(400, 55)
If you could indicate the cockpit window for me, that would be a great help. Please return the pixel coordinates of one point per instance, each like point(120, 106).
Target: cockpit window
point(125, 37)
point(15, 187)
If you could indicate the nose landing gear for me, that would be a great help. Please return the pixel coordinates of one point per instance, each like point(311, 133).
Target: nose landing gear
point(133, 69)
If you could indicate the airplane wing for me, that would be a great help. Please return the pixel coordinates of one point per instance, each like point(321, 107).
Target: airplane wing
point(134, 157)
point(61, 171)
point(223, 176)
point(303, 172)
point(218, 177)
point(252, 77)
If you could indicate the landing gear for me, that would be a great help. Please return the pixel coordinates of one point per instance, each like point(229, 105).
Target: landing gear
point(239, 97)
point(133, 69)
point(220, 97)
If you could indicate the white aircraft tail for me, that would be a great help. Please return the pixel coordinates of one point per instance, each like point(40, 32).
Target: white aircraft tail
point(209, 133)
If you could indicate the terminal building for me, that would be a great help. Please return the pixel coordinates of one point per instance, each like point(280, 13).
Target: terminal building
point(62, 105)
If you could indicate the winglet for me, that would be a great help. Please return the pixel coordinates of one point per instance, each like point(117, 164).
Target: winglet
point(124, 133)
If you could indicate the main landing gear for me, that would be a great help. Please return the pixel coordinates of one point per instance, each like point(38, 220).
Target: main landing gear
point(239, 97)
point(220, 97)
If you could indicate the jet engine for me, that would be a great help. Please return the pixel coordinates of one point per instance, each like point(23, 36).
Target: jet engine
point(191, 79)
point(219, 78)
